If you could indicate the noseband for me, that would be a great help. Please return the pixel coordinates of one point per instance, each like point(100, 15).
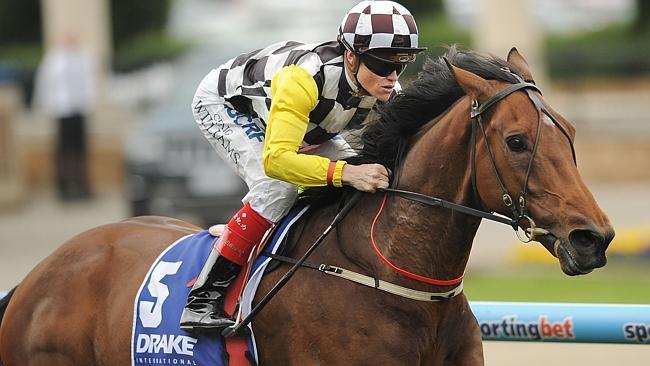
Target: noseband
point(517, 207)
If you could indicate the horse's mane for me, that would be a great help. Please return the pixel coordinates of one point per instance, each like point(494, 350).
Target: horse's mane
point(391, 125)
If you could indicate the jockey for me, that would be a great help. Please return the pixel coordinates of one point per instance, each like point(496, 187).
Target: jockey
point(274, 116)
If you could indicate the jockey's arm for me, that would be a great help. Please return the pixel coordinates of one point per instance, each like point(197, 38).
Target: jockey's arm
point(295, 95)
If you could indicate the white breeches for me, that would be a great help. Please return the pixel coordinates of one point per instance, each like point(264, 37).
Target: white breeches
point(239, 140)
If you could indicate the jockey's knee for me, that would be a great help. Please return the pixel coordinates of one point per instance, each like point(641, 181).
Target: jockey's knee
point(275, 203)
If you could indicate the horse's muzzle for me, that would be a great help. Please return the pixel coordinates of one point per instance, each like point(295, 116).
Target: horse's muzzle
point(584, 251)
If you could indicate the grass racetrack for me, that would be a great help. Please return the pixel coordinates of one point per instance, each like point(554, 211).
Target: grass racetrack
point(623, 280)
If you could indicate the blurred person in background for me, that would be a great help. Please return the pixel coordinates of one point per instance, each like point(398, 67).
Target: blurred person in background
point(64, 89)
point(274, 115)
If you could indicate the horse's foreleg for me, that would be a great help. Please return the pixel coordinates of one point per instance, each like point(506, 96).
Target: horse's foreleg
point(470, 352)
point(470, 356)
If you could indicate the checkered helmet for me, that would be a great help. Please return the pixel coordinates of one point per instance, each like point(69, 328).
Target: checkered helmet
point(380, 25)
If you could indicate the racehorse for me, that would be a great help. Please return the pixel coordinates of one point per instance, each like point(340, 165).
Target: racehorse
point(471, 130)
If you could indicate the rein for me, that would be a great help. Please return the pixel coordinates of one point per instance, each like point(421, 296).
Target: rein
point(439, 202)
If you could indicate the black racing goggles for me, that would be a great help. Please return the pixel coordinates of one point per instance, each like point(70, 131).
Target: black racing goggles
point(382, 67)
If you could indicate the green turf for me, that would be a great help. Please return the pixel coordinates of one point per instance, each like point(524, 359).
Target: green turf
point(626, 282)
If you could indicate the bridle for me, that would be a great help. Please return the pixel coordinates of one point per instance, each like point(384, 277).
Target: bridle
point(517, 207)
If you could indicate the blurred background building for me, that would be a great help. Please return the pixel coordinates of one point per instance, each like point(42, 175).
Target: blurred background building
point(591, 57)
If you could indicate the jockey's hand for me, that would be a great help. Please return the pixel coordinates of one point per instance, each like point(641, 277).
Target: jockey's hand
point(365, 177)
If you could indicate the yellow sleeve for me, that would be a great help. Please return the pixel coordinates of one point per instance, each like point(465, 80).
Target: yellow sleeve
point(294, 95)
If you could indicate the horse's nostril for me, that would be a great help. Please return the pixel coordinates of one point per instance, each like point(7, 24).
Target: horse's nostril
point(586, 238)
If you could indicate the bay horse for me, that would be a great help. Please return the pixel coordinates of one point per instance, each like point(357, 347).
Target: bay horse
point(471, 129)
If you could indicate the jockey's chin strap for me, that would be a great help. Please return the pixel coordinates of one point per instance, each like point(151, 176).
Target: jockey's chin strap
point(361, 91)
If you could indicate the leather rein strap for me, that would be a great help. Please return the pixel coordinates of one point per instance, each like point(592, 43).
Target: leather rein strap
point(439, 202)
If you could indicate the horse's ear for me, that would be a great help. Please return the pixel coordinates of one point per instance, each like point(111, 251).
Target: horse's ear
point(471, 83)
point(515, 58)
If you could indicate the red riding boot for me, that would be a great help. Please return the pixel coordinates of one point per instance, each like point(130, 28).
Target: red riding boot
point(204, 310)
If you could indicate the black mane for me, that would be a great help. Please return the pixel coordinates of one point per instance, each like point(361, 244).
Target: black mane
point(395, 122)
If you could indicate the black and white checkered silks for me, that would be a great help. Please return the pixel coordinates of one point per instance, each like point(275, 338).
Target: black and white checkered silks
point(245, 81)
point(379, 25)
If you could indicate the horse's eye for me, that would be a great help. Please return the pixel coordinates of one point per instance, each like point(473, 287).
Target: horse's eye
point(516, 143)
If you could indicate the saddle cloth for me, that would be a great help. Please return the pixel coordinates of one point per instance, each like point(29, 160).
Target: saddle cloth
point(156, 337)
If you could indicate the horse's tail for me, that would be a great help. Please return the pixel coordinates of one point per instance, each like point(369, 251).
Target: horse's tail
point(4, 302)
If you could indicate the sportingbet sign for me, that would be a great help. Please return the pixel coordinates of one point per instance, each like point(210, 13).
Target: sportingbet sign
point(554, 322)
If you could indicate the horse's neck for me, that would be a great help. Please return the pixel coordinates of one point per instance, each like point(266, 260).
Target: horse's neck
point(428, 240)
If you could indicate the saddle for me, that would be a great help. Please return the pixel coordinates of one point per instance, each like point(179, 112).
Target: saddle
point(157, 337)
